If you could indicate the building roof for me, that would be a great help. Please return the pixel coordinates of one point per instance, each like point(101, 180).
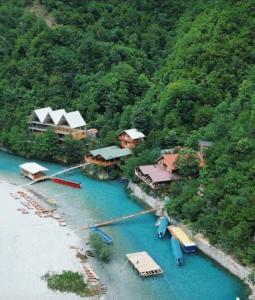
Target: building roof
point(143, 262)
point(92, 131)
point(205, 143)
point(41, 113)
point(32, 167)
point(111, 152)
point(180, 235)
point(73, 119)
point(56, 115)
point(157, 173)
point(169, 160)
point(134, 133)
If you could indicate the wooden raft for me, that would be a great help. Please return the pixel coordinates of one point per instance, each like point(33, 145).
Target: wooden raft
point(144, 264)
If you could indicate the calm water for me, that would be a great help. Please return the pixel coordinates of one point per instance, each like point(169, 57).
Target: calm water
point(200, 278)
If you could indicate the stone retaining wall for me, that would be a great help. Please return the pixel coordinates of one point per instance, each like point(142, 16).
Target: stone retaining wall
point(216, 254)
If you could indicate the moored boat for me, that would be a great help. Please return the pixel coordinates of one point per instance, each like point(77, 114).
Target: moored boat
point(187, 244)
point(162, 227)
point(177, 251)
point(104, 237)
point(66, 182)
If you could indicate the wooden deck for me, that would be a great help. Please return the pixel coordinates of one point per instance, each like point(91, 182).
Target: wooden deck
point(143, 264)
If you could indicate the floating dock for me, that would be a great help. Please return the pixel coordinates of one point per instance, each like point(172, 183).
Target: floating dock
point(143, 264)
point(70, 183)
point(187, 244)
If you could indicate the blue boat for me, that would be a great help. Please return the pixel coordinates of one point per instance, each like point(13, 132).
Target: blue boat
point(177, 252)
point(162, 227)
point(103, 236)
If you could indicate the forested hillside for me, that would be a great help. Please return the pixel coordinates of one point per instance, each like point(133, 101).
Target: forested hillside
point(178, 70)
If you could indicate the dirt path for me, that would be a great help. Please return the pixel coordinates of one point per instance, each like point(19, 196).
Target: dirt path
point(40, 11)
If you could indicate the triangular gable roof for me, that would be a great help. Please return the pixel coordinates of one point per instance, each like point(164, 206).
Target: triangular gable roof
point(41, 113)
point(134, 133)
point(73, 119)
point(55, 115)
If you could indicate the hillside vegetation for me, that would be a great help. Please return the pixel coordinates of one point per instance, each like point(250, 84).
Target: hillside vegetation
point(178, 70)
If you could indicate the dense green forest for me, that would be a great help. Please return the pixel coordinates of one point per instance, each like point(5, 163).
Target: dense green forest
point(179, 70)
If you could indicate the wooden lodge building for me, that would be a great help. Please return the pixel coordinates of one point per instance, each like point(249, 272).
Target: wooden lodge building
point(60, 121)
point(130, 138)
point(163, 172)
point(106, 157)
point(32, 170)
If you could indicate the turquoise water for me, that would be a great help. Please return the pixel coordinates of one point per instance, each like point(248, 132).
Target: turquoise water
point(200, 278)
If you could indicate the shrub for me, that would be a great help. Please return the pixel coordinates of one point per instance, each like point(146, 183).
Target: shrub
point(68, 281)
point(101, 250)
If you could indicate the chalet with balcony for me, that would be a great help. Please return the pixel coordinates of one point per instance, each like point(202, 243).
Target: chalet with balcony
point(159, 174)
point(107, 157)
point(60, 121)
point(130, 138)
point(162, 173)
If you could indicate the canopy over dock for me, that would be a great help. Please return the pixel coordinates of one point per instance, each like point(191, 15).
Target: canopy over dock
point(33, 170)
point(144, 264)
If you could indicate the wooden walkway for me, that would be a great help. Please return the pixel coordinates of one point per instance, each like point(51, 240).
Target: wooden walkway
point(55, 174)
point(119, 219)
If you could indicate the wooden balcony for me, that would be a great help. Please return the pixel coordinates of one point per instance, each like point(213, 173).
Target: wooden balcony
point(101, 162)
point(146, 179)
point(76, 133)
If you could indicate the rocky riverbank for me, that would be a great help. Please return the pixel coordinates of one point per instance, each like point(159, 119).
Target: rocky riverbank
point(216, 254)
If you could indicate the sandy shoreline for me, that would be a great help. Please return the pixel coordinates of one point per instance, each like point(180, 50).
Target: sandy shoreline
point(30, 247)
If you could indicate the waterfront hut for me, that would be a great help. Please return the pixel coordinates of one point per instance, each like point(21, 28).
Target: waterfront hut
point(107, 156)
point(162, 173)
point(155, 176)
point(32, 170)
point(130, 138)
point(187, 244)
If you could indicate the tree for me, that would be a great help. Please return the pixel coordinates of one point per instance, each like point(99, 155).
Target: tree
point(187, 162)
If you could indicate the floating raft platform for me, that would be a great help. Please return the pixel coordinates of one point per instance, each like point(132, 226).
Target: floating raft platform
point(144, 264)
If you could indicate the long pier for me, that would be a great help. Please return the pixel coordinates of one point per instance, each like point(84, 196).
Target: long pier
point(119, 219)
point(55, 174)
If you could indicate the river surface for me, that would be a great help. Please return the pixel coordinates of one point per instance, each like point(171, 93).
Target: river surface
point(200, 278)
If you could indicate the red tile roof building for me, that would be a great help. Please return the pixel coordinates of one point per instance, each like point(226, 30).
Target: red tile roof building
point(163, 172)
